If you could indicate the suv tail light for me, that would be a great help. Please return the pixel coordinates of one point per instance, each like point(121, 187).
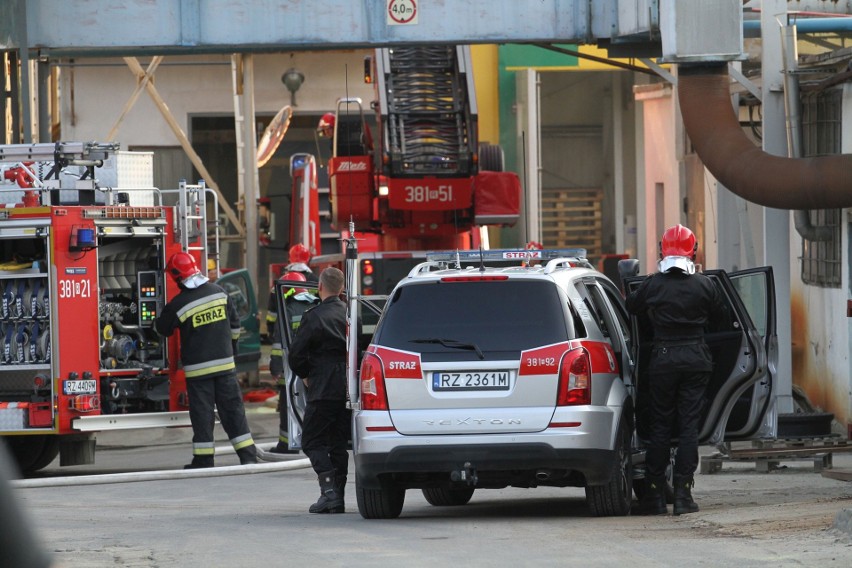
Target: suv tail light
point(373, 395)
point(575, 378)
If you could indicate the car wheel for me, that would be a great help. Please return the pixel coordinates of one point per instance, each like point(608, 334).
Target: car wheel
point(614, 498)
point(445, 496)
point(383, 503)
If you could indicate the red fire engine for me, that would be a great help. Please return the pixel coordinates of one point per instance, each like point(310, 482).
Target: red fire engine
point(423, 182)
point(81, 277)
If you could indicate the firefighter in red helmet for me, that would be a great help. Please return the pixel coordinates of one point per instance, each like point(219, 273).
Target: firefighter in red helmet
point(209, 328)
point(325, 128)
point(299, 255)
point(680, 304)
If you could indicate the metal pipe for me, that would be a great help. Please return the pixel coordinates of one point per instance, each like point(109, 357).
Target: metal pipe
point(772, 181)
point(352, 317)
point(809, 25)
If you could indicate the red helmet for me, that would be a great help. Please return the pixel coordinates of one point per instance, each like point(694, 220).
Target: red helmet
point(292, 275)
point(300, 253)
point(181, 266)
point(678, 241)
point(325, 128)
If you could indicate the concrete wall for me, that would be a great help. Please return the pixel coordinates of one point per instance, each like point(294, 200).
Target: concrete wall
point(820, 337)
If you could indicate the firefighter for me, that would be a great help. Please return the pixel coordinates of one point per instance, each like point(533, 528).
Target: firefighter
point(299, 258)
point(209, 328)
point(325, 127)
point(318, 356)
point(296, 302)
point(680, 304)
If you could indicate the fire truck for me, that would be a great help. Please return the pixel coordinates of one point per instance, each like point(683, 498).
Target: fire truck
point(423, 181)
point(82, 280)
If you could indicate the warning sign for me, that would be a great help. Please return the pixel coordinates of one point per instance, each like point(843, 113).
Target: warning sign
point(401, 12)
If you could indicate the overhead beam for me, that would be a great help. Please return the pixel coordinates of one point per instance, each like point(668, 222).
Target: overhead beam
point(62, 28)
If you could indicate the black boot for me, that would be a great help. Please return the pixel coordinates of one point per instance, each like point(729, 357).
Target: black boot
point(683, 502)
point(340, 485)
point(199, 462)
point(247, 455)
point(330, 500)
point(654, 500)
point(283, 448)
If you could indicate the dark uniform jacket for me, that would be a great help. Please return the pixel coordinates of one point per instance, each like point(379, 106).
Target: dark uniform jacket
point(680, 307)
point(209, 325)
point(318, 351)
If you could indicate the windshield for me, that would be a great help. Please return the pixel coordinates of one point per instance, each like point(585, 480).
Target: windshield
point(507, 315)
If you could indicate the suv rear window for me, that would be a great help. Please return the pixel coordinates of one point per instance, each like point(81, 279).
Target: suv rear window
point(507, 315)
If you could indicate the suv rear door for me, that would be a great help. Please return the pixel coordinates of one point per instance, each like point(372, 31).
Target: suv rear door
point(466, 327)
point(743, 344)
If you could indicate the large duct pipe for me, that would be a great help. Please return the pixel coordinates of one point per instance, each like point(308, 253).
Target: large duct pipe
point(823, 182)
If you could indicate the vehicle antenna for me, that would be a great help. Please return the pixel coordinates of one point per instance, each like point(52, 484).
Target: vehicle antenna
point(458, 260)
point(524, 164)
point(481, 259)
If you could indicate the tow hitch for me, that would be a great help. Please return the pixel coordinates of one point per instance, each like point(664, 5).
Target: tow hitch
point(466, 475)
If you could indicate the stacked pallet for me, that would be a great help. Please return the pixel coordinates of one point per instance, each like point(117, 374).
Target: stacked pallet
point(571, 218)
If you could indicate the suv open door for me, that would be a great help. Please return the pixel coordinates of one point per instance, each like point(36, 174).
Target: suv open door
point(288, 323)
point(738, 404)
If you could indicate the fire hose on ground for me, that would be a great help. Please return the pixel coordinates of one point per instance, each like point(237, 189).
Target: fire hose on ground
point(275, 463)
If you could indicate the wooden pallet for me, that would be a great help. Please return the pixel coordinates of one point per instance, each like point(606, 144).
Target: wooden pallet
point(572, 218)
point(768, 454)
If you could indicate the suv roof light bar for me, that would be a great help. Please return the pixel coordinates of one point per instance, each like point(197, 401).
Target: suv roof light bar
point(505, 254)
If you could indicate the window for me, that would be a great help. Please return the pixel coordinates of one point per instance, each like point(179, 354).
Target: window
point(502, 316)
point(821, 135)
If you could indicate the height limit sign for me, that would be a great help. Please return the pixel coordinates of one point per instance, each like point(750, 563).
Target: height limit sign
point(401, 12)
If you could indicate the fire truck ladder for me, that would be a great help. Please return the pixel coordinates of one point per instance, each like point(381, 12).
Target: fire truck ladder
point(192, 221)
point(428, 103)
point(63, 154)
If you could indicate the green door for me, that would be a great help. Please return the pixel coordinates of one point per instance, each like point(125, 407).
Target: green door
point(240, 291)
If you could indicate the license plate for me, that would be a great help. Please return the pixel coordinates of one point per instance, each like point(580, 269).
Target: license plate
point(80, 387)
point(471, 381)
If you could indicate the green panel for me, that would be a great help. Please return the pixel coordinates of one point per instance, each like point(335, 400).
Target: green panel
point(532, 56)
point(238, 285)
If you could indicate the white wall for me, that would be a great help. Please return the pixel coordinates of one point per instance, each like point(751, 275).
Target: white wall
point(661, 170)
point(93, 92)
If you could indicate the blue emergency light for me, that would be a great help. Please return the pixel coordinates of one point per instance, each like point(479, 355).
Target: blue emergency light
point(82, 239)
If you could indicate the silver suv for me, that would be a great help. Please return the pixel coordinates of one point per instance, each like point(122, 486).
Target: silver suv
point(524, 375)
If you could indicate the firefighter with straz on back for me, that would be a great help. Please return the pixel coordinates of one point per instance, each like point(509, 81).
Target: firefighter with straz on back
point(680, 304)
point(209, 328)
